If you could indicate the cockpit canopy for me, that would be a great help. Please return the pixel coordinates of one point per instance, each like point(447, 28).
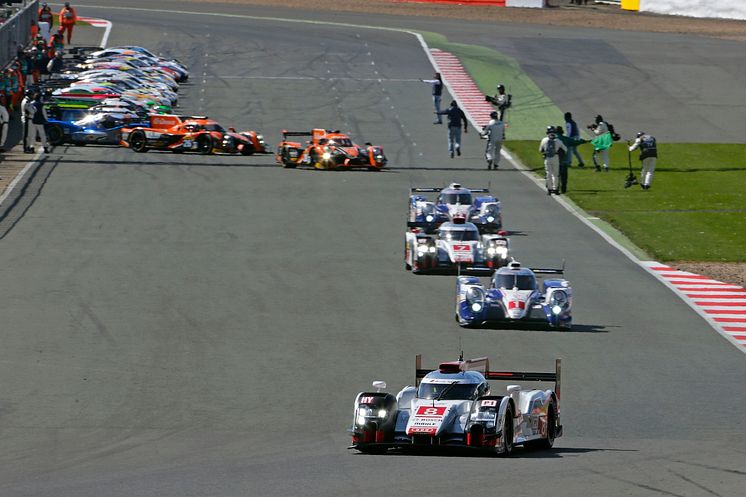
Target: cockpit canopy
point(465, 232)
point(452, 197)
point(509, 280)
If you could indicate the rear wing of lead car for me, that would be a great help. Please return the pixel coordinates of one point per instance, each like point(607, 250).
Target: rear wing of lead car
point(482, 365)
point(436, 190)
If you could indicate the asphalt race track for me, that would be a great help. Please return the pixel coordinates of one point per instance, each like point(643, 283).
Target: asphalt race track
point(181, 325)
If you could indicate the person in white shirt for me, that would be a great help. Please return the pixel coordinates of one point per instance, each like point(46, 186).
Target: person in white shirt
point(648, 156)
point(494, 131)
point(550, 147)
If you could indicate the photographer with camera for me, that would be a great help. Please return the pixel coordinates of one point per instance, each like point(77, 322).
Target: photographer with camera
point(551, 147)
point(501, 100)
point(648, 156)
point(601, 143)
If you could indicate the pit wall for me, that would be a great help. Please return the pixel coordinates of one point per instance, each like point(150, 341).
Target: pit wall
point(725, 9)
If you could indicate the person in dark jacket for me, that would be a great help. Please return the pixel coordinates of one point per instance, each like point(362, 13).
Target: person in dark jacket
point(565, 157)
point(55, 64)
point(572, 130)
point(38, 121)
point(455, 117)
point(648, 156)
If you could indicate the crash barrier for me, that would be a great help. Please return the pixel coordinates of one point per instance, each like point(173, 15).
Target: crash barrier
point(17, 31)
point(724, 9)
point(534, 4)
point(496, 3)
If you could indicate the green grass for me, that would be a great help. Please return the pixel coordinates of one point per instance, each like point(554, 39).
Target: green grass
point(532, 110)
point(696, 209)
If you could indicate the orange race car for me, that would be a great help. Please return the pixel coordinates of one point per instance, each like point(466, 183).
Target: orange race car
point(328, 150)
point(192, 134)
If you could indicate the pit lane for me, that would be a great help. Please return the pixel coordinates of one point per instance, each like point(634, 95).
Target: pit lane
point(182, 325)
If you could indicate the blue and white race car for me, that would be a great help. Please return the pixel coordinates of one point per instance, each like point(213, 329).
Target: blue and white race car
point(453, 203)
point(454, 406)
point(89, 128)
point(515, 297)
point(455, 248)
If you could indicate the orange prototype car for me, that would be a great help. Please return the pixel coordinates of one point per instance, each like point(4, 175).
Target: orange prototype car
point(192, 134)
point(328, 150)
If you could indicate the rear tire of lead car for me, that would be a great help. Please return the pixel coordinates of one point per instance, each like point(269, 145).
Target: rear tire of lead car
point(548, 442)
point(138, 142)
point(204, 144)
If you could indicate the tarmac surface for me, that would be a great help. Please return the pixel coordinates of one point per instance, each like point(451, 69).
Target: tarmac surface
point(181, 325)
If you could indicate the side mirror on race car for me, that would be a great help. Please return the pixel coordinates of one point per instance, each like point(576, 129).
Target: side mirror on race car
point(379, 385)
point(232, 130)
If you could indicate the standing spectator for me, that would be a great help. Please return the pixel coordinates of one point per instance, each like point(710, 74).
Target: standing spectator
point(565, 157)
point(56, 63)
point(572, 130)
point(56, 43)
point(648, 156)
point(501, 100)
point(494, 131)
point(455, 117)
point(550, 148)
point(68, 18)
point(601, 143)
point(34, 64)
point(34, 29)
point(27, 111)
point(4, 123)
point(24, 58)
point(46, 15)
point(38, 121)
point(437, 85)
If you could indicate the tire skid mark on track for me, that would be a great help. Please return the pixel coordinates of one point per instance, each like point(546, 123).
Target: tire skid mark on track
point(723, 305)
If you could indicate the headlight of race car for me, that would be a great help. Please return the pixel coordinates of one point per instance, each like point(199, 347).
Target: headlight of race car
point(363, 413)
point(260, 139)
point(559, 301)
point(490, 219)
point(475, 298)
point(488, 417)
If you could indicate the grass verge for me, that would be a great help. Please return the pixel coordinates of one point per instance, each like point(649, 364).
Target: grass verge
point(696, 209)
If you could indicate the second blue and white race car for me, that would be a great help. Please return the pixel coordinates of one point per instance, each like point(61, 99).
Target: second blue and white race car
point(515, 297)
point(455, 248)
point(454, 202)
point(454, 406)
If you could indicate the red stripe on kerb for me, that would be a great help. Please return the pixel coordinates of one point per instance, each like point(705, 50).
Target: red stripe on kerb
point(736, 329)
point(714, 296)
point(716, 303)
point(725, 311)
point(730, 320)
point(661, 268)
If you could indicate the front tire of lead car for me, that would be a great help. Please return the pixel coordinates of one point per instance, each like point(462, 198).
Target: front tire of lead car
point(506, 447)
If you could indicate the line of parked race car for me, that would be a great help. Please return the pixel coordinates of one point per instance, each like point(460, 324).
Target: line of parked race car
point(126, 95)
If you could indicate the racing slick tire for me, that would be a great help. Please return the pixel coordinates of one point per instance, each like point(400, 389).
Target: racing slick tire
point(506, 447)
point(548, 442)
point(55, 135)
point(204, 144)
point(138, 142)
point(247, 149)
point(285, 158)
